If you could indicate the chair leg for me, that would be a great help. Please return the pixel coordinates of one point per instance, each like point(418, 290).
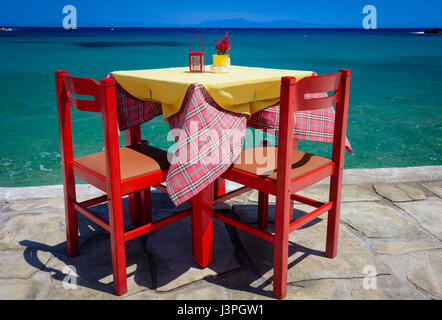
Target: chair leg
point(71, 229)
point(135, 207)
point(140, 207)
point(71, 219)
point(263, 209)
point(292, 206)
point(146, 206)
point(220, 187)
point(280, 259)
point(333, 216)
point(117, 245)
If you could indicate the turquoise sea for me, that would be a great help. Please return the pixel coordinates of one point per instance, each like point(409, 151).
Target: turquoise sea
point(395, 106)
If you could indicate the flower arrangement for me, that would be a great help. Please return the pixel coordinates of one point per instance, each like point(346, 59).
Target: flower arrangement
point(221, 61)
point(223, 46)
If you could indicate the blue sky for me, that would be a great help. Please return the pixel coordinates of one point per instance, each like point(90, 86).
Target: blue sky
point(138, 13)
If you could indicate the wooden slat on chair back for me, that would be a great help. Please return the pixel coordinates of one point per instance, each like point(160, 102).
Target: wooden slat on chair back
point(83, 86)
point(314, 86)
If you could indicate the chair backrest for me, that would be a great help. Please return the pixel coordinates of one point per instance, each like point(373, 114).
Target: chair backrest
point(305, 95)
point(104, 102)
point(312, 87)
point(83, 86)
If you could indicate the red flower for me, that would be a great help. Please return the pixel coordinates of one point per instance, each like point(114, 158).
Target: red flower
point(223, 46)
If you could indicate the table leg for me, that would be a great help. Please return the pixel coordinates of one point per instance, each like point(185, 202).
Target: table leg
point(202, 226)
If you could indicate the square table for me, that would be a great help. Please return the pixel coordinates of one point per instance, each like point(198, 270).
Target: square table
point(207, 103)
point(197, 104)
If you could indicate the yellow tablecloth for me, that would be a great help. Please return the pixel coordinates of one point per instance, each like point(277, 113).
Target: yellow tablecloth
point(244, 90)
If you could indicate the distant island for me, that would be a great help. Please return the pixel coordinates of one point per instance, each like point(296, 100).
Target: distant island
point(437, 31)
point(244, 23)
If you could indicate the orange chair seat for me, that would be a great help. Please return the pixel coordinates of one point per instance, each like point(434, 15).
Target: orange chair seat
point(134, 161)
point(262, 161)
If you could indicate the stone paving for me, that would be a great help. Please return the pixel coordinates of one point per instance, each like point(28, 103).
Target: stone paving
point(390, 238)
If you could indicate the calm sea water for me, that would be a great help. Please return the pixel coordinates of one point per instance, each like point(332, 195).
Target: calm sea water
point(395, 107)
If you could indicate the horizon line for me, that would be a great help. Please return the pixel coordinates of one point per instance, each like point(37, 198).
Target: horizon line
point(204, 27)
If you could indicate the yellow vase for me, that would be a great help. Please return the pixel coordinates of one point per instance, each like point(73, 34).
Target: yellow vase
point(221, 60)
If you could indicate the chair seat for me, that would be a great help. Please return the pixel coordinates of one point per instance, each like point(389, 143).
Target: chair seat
point(262, 161)
point(135, 161)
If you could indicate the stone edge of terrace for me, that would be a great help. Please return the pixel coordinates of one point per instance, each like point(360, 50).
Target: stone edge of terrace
point(351, 176)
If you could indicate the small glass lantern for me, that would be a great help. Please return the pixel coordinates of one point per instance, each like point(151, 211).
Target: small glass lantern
point(196, 58)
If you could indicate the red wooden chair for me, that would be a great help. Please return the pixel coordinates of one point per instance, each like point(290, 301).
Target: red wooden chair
point(117, 171)
point(295, 170)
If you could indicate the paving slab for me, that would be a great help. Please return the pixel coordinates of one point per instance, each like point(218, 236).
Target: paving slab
point(46, 192)
point(171, 249)
point(91, 271)
point(34, 287)
point(403, 247)
point(35, 204)
point(375, 220)
point(203, 291)
point(363, 294)
point(413, 190)
point(425, 272)
point(427, 212)
point(320, 192)
point(42, 230)
point(350, 193)
point(19, 289)
point(318, 290)
point(307, 260)
point(434, 186)
point(399, 192)
point(22, 264)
